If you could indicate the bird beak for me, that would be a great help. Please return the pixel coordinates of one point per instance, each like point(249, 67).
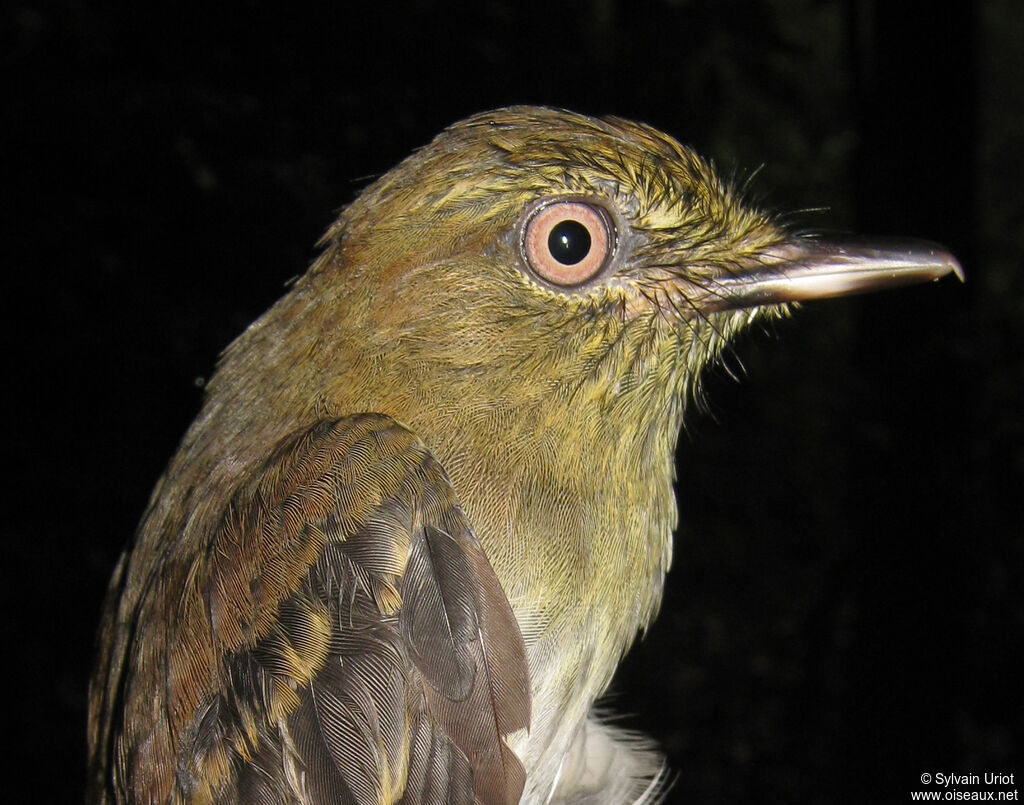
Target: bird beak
point(808, 268)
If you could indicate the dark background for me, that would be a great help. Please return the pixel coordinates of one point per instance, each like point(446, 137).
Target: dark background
point(845, 609)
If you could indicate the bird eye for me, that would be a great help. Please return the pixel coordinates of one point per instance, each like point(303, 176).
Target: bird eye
point(568, 242)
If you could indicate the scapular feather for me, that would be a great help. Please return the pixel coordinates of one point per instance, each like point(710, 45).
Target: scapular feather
point(348, 674)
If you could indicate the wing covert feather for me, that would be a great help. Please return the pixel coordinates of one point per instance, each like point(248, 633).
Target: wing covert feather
point(342, 639)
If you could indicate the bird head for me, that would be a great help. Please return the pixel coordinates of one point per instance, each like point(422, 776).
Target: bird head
point(529, 256)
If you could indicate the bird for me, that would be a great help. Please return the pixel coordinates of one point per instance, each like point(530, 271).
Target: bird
point(427, 504)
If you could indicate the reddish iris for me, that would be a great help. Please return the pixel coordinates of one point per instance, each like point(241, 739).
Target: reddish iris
point(567, 242)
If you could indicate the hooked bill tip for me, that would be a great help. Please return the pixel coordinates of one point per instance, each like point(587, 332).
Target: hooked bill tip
point(805, 269)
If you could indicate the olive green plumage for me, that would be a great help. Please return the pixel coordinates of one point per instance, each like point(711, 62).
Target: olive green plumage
point(550, 415)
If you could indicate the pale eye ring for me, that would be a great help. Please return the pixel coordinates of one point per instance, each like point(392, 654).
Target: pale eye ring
point(568, 242)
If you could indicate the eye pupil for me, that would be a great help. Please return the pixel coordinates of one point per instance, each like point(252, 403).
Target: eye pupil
point(569, 242)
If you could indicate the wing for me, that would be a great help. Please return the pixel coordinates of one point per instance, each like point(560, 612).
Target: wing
point(343, 640)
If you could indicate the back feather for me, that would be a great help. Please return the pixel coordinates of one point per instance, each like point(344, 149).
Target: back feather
point(363, 649)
